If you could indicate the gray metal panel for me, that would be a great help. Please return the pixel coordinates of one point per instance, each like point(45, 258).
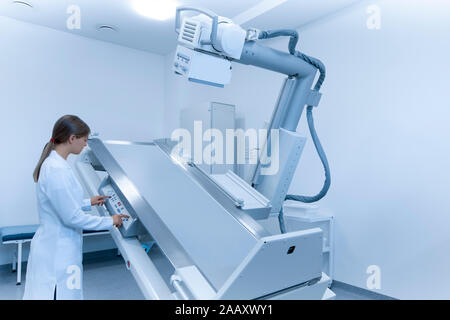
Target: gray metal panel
point(276, 263)
point(152, 222)
point(222, 196)
point(216, 240)
point(275, 186)
point(143, 269)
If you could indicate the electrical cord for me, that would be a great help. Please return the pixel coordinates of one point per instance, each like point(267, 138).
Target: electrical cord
point(279, 33)
point(309, 114)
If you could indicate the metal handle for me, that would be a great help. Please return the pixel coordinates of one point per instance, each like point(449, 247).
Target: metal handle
point(237, 201)
point(176, 283)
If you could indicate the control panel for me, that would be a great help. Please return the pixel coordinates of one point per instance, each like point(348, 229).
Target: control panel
point(130, 226)
point(182, 61)
point(202, 68)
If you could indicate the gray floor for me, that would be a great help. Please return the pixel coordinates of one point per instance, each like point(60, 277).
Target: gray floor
point(106, 278)
point(109, 279)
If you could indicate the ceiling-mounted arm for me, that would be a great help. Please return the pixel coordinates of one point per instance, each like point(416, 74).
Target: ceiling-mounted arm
point(201, 62)
point(210, 64)
point(282, 62)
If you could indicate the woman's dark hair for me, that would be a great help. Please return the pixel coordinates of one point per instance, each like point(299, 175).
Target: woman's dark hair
point(62, 130)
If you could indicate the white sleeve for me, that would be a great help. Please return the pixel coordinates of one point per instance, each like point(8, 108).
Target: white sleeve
point(86, 205)
point(60, 192)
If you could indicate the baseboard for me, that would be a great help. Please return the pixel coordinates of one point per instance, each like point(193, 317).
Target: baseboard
point(360, 291)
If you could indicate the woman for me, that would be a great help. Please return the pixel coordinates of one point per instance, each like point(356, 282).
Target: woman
point(55, 263)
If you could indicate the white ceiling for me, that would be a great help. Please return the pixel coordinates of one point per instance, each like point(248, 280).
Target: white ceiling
point(139, 32)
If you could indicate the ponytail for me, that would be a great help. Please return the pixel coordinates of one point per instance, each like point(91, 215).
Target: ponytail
point(65, 127)
point(45, 153)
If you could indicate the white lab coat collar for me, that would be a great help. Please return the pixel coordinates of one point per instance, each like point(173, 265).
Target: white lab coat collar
point(55, 155)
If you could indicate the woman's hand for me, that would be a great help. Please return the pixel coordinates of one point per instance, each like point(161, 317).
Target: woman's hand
point(117, 219)
point(98, 200)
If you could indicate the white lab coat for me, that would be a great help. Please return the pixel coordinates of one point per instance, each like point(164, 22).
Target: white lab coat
point(55, 259)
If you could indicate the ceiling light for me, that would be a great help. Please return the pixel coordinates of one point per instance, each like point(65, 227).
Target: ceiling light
point(23, 3)
point(156, 9)
point(106, 27)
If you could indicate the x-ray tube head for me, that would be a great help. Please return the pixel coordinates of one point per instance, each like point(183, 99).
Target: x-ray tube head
point(206, 44)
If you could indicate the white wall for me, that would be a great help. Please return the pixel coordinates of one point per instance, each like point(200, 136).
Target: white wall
point(383, 121)
point(45, 74)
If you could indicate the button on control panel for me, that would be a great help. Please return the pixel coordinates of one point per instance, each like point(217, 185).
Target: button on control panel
point(130, 226)
point(182, 61)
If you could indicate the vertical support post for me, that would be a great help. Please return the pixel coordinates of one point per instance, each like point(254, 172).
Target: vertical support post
point(275, 121)
point(14, 261)
point(19, 262)
point(297, 103)
point(331, 253)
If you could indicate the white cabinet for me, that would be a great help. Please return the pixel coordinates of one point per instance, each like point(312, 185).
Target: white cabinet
point(299, 216)
point(197, 120)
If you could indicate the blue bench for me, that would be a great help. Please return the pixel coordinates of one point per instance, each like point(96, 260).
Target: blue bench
point(18, 233)
point(21, 234)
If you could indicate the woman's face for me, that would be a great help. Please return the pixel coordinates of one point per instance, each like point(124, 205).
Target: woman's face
point(78, 144)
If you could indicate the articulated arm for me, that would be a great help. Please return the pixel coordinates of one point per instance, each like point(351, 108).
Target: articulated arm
point(207, 45)
point(302, 72)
